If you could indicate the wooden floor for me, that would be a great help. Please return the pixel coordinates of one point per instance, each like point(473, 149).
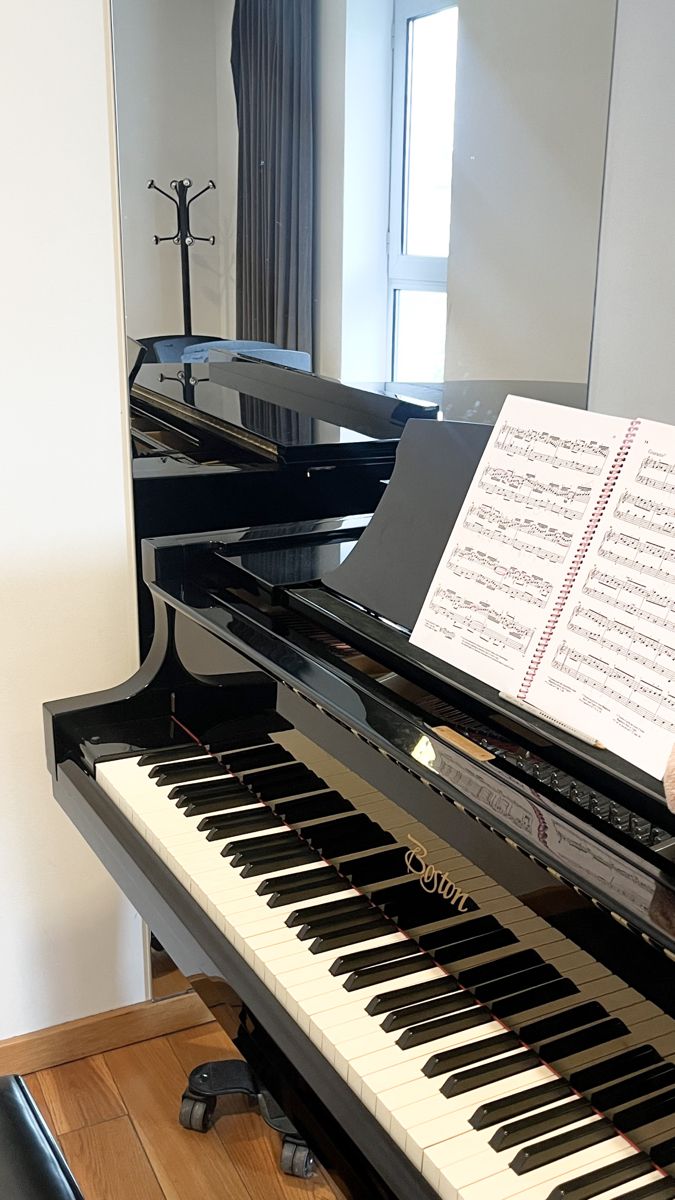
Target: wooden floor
point(115, 1116)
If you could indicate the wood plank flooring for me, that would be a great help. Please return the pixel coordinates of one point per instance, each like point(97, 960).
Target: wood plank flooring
point(115, 1116)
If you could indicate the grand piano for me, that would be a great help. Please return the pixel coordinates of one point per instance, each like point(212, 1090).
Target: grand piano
point(236, 442)
point(451, 926)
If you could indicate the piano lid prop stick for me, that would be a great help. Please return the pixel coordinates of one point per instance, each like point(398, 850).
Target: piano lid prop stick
point(577, 733)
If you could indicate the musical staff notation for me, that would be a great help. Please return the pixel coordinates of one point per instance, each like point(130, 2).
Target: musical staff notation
point(629, 642)
point(491, 625)
point(525, 535)
point(489, 572)
point(632, 597)
point(649, 514)
point(655, 472)
point(558, 498)
point(647, 558)
point(641, 698)
point(575, 454)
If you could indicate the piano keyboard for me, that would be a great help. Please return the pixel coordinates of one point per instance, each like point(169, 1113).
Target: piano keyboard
point(504, 1060)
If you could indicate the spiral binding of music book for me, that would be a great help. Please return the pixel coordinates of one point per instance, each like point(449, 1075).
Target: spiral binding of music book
point(575, 567)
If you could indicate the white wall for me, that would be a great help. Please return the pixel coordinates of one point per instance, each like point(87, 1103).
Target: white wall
point(530, 126)
point(69, 945)
point(633, 362)
point(167, 112)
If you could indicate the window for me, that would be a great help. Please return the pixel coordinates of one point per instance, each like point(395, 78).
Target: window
point(425, 58)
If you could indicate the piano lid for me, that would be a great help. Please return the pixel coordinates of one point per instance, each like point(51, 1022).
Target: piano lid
point(306, 421)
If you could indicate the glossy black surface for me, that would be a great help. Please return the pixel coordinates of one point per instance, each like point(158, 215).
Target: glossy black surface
point(285, 425)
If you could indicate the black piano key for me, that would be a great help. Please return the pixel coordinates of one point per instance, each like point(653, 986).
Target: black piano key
point(660, 1189)
point(338, 844)
point(267, 755)
point(402, 1018)
point(303, 855)
point(364, 933)
point(354, 826)
point(631, 1118)
point(615, 1094)
point(183, 793)
point(234, 817)
point(374, 868)
point(445, 1026)
point(264, 841)
point(562, 1022)
point(171, 774)
point(367, 976)
point(322, 804)
point(489, 1072)
point(625, 1063)
point(204, 808)
point(171, 754)
point(240, 822)
point(279, 847)
point(526, 1001)
point(663, 1153)
point(506, 1108)
point(279, 782)
point(331, 922)
point(499, 968)
point(399, 998)
point(347, 963)
point(537, 1124)
point(603, 1179)
point(555, 1149)
point(351, 904)
point(475, 946)
point(287, 883)
point(497, 988)
point(458, 932)
point(582, 1039)
point(409, 905)
point(448, 1061)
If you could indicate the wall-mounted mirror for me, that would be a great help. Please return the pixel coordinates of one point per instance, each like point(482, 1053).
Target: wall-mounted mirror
point(404, 189)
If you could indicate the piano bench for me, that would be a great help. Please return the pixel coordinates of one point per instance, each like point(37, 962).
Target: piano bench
point(32, 1166)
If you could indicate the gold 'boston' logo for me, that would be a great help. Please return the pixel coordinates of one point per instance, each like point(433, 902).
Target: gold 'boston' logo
point(432, 879)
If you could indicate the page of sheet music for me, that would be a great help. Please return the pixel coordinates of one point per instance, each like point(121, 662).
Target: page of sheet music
point(516, 535)
point(610, 666)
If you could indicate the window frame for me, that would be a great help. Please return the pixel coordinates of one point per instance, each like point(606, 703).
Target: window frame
point(406, 272)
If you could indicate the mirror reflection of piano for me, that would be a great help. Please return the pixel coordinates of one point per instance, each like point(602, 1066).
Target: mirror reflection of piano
point(452, 927)
point(264, 442)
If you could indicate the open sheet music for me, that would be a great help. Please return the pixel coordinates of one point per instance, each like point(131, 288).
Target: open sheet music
point(557, 584)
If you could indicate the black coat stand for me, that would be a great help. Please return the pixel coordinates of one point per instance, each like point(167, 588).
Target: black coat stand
point(183, 236)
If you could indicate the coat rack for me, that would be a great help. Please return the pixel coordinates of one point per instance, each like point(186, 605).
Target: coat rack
point(183, 237)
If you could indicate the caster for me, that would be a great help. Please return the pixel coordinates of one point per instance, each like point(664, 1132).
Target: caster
point(296, 1159)
point(196, 1114)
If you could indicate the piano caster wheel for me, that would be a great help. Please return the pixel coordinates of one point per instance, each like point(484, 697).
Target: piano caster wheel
point(196, 1114)
point(296, 1158)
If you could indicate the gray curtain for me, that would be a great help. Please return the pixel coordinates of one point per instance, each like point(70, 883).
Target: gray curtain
point(272, 65)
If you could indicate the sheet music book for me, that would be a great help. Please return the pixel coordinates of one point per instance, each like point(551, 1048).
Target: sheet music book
point(557, 584)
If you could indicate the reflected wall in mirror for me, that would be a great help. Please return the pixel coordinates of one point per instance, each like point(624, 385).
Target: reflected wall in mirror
point(436, 168)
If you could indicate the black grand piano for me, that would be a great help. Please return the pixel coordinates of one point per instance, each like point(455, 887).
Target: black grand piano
point(451, 926)
point(241, 442)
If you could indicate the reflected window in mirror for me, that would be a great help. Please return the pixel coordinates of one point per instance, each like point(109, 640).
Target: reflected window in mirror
point(423, 104)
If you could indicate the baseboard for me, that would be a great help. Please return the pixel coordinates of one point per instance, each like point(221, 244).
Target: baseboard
point(105, 1031)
